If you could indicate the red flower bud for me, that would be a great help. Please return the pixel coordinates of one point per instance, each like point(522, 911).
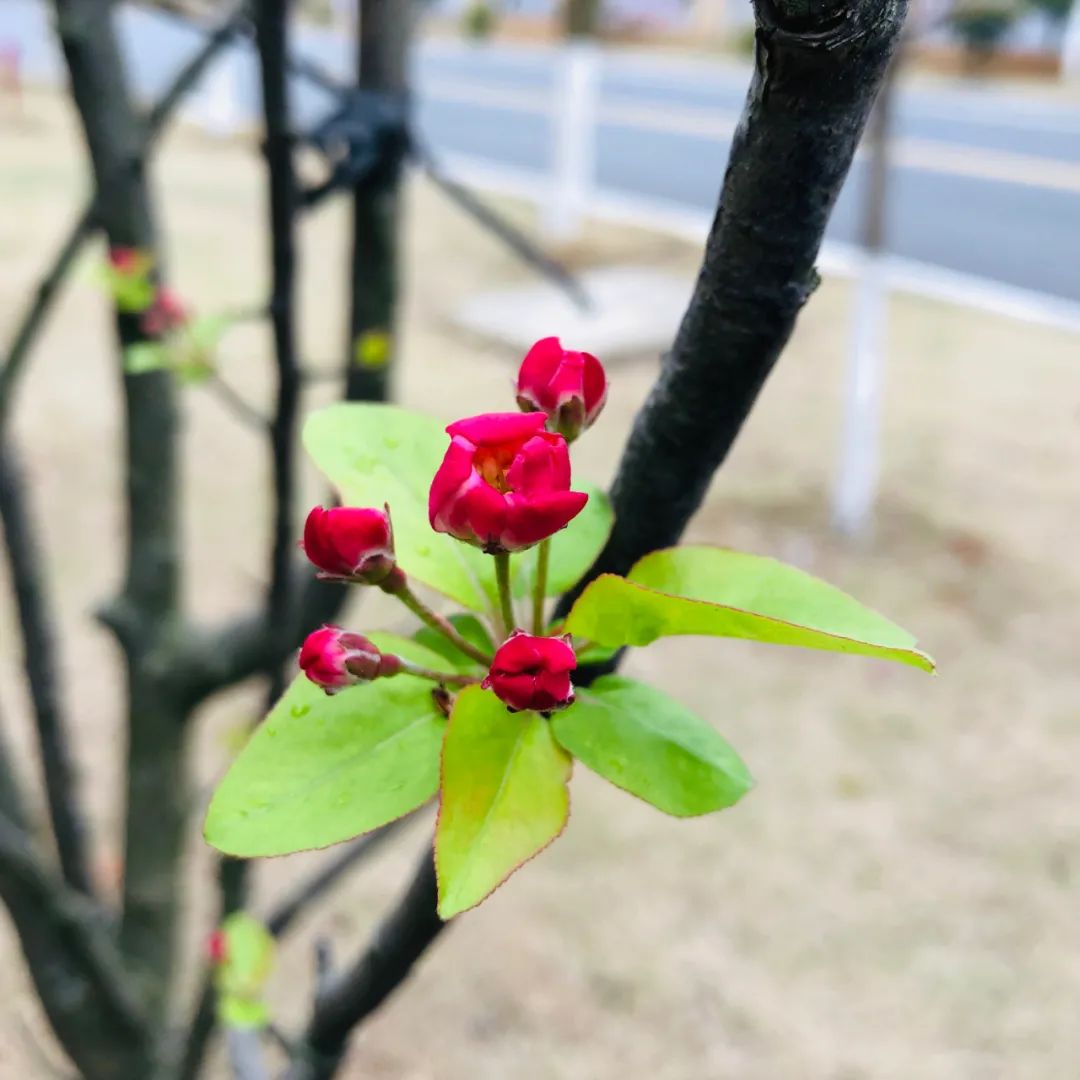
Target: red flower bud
point(335, 659)
point(348, 542)
point(217, 947)
point(569, 387)
point(165, 314)
point(504, 484)
point(126, 260)
point(532, 672)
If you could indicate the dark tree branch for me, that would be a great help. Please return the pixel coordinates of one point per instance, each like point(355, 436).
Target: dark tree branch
point(156, 120)
point(307, 892)
point(236, 403)
point(76, 969)
point(40, 659)
point(524, 248)
point(817, 71)
point(146, 617)
point(271, 38)
point(34, 317)
point(279, 922)
point(360, 989)
point(382, 67)
point(235, 19)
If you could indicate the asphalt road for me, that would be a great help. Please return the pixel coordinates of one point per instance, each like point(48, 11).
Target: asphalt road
point(985, 181)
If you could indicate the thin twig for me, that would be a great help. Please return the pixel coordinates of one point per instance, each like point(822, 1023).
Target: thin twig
point(236, 404)
point(34, 317)
point(361, 988)
point(270, 34)
point(506, 600)
point(38, 626)
point(307, 892)
point(521, 245)
point(279, 922)
point(439, 624)
point(157, 117)
point(540, 587)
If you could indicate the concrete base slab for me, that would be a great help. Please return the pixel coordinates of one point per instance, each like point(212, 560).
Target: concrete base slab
point(634, 309)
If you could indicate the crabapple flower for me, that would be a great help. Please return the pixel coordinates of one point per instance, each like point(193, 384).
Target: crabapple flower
point(569, 387)
point(504, 484)
point(165, 314)
point(217, 948)
point(127, 260)
point(335, 659)
point(532, 672)
point(349, 542)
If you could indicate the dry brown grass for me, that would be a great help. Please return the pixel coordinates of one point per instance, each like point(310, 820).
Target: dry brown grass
point(897, 898)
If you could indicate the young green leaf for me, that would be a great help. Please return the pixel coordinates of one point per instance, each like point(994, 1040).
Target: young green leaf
point(644, 742)
point(322, 769)
point(711, 591)
point(240, 977)
point(504, 797)
point(146, 356)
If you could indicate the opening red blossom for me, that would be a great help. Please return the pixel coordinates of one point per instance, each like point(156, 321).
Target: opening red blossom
point(504, 484)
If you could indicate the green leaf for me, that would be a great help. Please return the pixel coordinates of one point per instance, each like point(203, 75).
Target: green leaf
point(504, 797)
point(644, 742)
point(131, 294)
point(206, 331)
point(243, 1013)
point(323, 769)
point(705, 590)
point(470, 628)
point(573, 550)
point(241, 978)
point(146, 356)
point(375, 454)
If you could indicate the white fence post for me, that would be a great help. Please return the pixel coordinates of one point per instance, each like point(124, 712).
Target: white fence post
point(853, 497)
point(217, 106)
point(577, 79)
point(1070, 45)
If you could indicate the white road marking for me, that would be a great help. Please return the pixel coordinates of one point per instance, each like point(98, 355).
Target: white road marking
point(842, 260)
point(925, 155)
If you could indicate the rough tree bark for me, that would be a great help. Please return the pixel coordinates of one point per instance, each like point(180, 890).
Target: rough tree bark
point(817, 70)
point(581, 18)
point(73, 961)
point(41, 660)
point(816, 73)
point(146, 616)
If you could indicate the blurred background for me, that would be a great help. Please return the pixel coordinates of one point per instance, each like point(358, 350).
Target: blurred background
point(898, 897)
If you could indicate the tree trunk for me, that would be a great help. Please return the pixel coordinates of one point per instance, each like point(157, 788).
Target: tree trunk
point(814, 81)
point(146, 616)
point(581, 18)
point(382, 68)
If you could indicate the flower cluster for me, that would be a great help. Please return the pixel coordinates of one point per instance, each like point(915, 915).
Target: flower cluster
point(503, 486)
point(161, 311)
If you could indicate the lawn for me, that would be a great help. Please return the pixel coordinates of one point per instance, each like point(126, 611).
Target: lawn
point(898, 896)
